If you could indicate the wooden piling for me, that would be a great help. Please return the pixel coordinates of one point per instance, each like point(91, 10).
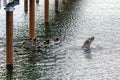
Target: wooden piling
point(9, 38)
point(56, 5)
point(37, 1)
point(46, 16)
point(25, 5)
point(32, 19)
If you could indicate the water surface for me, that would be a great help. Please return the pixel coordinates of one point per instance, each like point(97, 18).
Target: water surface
point(76, 21)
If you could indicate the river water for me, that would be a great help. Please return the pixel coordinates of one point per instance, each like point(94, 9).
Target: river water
point(76, 21)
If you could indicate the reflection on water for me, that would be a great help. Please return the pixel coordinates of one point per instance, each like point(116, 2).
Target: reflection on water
point(74, 23)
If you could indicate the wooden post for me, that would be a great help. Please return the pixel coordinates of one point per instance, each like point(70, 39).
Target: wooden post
point(25, 5)
point(9, 37)
point(56, 5)
point(32, 19)
point(46, 12)
point(37, 1)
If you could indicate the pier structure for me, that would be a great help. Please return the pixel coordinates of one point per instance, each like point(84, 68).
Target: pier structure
point(9, 7)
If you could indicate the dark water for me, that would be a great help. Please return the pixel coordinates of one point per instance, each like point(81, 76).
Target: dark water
point(76, 21)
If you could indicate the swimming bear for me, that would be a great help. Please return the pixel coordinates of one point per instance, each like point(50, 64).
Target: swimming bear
point(87, 43)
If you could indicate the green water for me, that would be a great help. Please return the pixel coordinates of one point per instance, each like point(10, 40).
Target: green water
point(76, 21)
